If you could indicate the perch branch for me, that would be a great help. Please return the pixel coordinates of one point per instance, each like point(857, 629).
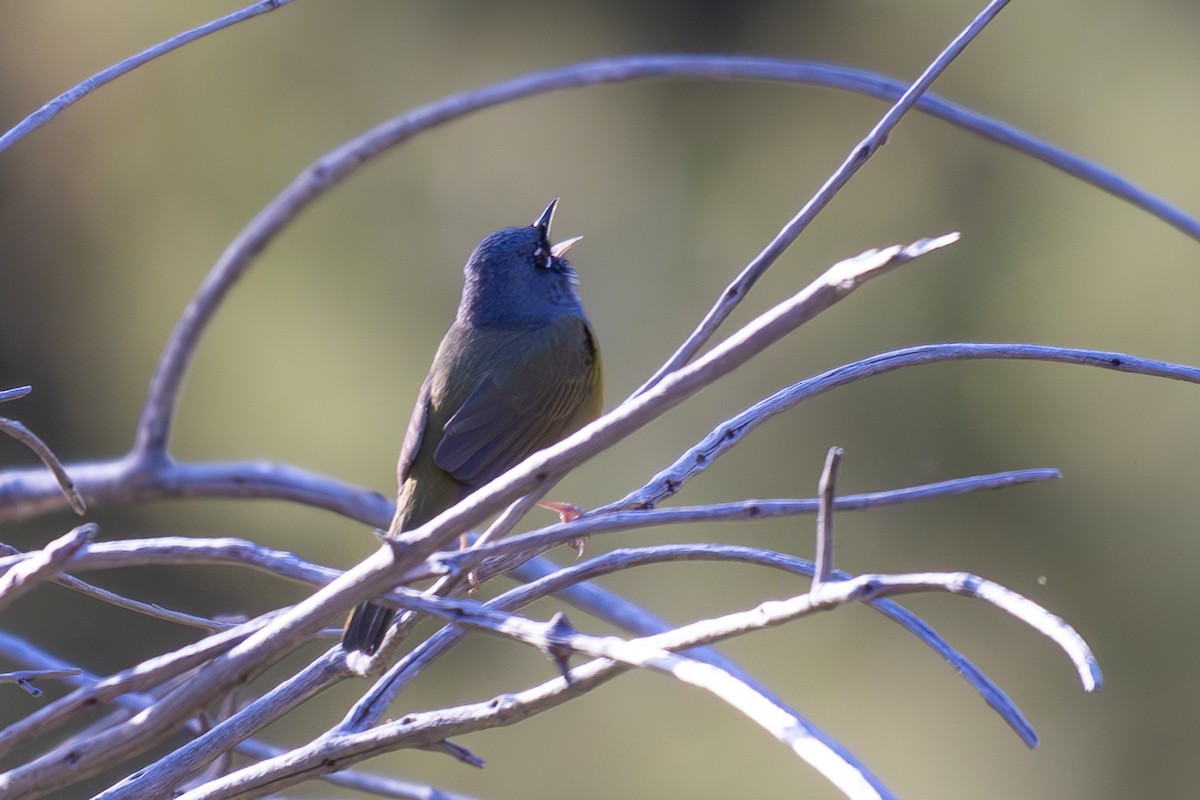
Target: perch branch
point(167, 550)
point(543, 539)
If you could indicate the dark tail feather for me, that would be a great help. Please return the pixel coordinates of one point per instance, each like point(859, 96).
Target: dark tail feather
point(366, 627)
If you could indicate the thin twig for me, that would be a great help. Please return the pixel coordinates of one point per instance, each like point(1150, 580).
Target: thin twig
point(167, 550)
point(28, 438)
point(543, 539)
point(96, 691)
point(826, 489)
point(75, 93)
point(741, 285)
point(25, 678)
point(157, 780)
point(19, 650)
point(44, 564)
point(862, 588)
point(13, 394)
point(25, 493)
point(120, 601)
point(724, 437)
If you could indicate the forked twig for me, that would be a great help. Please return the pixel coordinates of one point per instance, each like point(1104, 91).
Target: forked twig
point(25, 678)
point(28, 438)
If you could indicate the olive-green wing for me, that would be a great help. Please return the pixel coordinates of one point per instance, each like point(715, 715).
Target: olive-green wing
point(522, 404)
point(416, 430)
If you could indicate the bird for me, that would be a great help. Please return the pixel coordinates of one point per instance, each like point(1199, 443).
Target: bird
point(518, 370)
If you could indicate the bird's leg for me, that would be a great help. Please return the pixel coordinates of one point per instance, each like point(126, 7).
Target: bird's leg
point(567, 512)
point(472, 578)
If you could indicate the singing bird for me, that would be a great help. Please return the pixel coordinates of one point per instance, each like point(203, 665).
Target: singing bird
point(517, 371)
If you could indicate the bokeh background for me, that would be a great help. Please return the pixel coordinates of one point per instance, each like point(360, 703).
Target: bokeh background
point(112, 214)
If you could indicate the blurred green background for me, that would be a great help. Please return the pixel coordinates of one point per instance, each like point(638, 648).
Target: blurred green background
point(112, 215)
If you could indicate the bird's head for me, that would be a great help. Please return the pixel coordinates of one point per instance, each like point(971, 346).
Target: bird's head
point(516, 276)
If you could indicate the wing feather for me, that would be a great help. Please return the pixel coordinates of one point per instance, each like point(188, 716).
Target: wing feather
point(520, 406)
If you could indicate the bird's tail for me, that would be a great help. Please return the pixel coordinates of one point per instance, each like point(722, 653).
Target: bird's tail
point(366, 627)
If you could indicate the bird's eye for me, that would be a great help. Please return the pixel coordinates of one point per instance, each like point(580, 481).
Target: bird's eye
point(542, 259)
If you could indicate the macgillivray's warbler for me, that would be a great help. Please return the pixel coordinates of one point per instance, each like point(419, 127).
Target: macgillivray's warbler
point(517, 371)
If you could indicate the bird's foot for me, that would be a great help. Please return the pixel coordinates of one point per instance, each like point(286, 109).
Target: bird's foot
point(567, 512)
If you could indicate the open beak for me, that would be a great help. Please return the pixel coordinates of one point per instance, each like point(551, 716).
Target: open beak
point(543, 222)
point(560, 249)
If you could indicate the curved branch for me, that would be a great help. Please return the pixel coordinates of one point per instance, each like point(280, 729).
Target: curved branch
point(28, 438)
point(416, 729)
point(47, 112)
point(26, 493)
point(154, 426)
point(729, 433)
point(374, 705)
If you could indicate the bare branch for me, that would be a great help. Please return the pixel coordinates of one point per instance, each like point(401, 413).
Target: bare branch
point(362, 781)
point(826, 488)
point(374, 705)
point(518, 548)
point(18, 650)
point(729, 433)
point(161, 777)
point(741, 285)
point(95, 691)
point(26, 493)
point(335, 750)
point(44, 564)
point(28, 438)
point(120, 601)
point(330, 169)
point(75, 93)
point(13, 394)
point(25, 678)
